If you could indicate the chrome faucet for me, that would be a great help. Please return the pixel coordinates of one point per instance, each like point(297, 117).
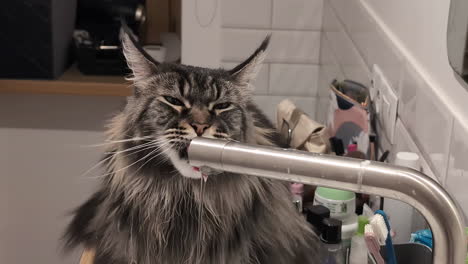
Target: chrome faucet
point(361, 176)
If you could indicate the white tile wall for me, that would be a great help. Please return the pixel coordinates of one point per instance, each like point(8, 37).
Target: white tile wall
point(369, 39)
point(285, 46)
point(322, 109)
point(246, 13)
point(427, 120)
point(293, 79)
point(404, 142)
point(457, 176)
point(356, 43)
point(297, 14)
point(291, 67)
point(339, 41)
point(351, 43)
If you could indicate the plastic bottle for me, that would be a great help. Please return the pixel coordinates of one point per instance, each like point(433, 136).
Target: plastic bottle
point(331, 242)
point(342, 205)
point(401, 214)
point(358, 254)
point(315, 216)
point(297, 190)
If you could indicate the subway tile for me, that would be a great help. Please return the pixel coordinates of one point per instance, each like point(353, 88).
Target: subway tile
point(297, 14)
point(268, 104)
point(350, 14)
point(235, 14)
point(321, 111)
point(346, 53)
point(457, 176)
point(295, 47)
point(381, 51)
point(261, 81)
point(426, 118)
point(404, 142)
point(329, 20)
point(373, 44)
point(293, 79)
point(239, 44)
point(285, 46)
point(329, 69)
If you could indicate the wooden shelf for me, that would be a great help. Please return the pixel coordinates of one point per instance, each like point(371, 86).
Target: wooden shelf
point(72, 82)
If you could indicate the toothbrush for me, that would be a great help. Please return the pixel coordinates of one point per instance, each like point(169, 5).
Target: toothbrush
point(373, 244)
point(380, 229)
point(384, 224)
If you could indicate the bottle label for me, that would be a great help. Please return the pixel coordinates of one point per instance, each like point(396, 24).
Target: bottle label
point(337, 208)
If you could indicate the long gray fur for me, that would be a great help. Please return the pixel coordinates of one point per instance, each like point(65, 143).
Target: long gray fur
point(149, 209)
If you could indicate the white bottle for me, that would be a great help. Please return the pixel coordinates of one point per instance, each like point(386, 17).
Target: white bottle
point(401, 215)
point(359, 251)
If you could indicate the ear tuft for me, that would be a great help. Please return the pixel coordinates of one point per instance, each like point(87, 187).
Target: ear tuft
point(141, 67)
point(246, 72)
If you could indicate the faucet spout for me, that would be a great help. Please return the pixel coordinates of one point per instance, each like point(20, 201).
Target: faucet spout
point(363, 176)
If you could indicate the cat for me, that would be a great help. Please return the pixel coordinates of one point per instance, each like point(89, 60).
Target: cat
point(153, 207)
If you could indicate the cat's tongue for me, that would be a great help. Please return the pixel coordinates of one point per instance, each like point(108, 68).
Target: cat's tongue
point(204, 176)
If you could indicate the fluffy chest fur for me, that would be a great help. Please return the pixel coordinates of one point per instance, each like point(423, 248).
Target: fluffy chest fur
point(152, 214)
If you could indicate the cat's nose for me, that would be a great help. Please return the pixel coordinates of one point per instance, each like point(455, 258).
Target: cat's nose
point(200, 128)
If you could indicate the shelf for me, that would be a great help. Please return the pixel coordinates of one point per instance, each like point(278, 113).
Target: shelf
point(72, 82)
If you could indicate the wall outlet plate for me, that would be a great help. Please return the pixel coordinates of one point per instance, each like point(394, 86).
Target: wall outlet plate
point(385, 101)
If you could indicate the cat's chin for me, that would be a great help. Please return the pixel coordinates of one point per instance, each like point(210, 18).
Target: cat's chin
point(182, 164)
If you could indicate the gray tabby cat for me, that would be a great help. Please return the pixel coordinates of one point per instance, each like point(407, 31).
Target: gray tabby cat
point(150, 207)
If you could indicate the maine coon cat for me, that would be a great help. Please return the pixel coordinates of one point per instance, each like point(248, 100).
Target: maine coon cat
point(153, 207)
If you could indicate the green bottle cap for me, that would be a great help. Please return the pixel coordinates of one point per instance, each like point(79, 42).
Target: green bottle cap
point(335, 194)
point(362, 222)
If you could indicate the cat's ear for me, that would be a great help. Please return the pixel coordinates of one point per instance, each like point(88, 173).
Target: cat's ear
point(246, 72)
point(142, 67)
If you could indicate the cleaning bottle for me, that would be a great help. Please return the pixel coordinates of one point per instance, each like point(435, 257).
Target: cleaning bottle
point(331, 242)
point(400, 213)
point(342, 205)
point(297, 191)
point(359, 252)
point(315, 216)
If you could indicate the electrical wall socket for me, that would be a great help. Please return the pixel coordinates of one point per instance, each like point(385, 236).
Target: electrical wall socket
point(385, 101)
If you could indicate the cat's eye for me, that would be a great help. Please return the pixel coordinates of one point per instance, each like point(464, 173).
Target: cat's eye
point(173, 100)
point(221, 106)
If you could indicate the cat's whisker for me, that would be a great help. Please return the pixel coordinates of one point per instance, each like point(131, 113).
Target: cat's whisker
point(108, 142)
point(152, 158)
point(128, 166)
point(145, 146)
point(140, 150)
point(95, 166)
point(132, 148)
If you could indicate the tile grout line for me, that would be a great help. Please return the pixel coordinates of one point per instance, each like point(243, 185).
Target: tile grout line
point(268, 78)
point(449, 150)
point(348, 35)
point(269, 29)
point(271, 13)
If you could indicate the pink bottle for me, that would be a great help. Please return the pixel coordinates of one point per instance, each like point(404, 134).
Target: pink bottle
point(297, 191)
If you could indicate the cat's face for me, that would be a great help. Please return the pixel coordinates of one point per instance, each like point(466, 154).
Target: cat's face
point(175, 103)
